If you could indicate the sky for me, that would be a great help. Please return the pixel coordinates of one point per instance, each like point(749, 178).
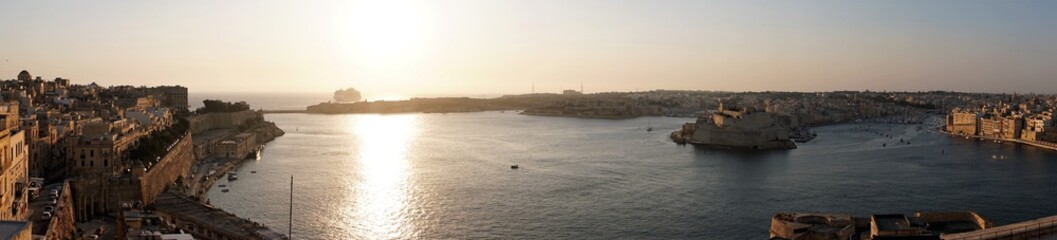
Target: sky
point(406, 48)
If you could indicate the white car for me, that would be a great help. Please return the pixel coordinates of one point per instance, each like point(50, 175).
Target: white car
point(45, 215)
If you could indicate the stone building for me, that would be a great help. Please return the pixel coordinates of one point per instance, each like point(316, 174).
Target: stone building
point(172, 96)
point(95, 155)
point(962, 122)
point(15, 178)
point(238, 146)
point(990, 126)
point(1012, 127)
point(14, 166)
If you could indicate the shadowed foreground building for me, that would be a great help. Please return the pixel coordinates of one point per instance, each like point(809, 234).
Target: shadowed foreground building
point(12, 230)
point(837, 226)
point(923, 225)
point(206, 222)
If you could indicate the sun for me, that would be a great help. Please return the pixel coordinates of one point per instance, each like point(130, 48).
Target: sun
point(386, 32)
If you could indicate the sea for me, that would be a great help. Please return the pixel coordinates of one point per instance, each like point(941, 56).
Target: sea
point(449, 176)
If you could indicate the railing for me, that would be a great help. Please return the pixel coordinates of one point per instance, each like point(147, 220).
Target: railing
point(1043, 228)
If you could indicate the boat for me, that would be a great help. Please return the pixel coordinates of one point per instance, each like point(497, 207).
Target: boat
point(222, 185)
point(253, 171)
point(349, 95)
point(649, 126)
point(232, 176)
point(514, 166)
point(256, 153)
point(224, 190)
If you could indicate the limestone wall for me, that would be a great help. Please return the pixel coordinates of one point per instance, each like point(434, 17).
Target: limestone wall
point(204, 122)
point(174, 165)
point(62, 225)
point(153, 182)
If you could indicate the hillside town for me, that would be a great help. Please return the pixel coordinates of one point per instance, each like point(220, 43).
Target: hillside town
point(84, 161)
point(1020, 119)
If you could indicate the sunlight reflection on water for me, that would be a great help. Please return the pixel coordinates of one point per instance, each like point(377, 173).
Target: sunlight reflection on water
point(382, 202)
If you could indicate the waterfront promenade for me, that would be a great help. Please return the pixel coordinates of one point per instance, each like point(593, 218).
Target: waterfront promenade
point(1044, 145)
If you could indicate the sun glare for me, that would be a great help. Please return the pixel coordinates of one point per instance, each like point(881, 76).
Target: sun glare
point(383, 165)
point(384, 32)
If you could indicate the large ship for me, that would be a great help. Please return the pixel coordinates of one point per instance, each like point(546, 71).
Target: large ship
point(347, 95)
point(742, 128)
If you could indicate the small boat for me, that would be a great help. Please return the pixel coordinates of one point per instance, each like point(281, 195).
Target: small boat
point(232, 176)
point(884, 145)
point(253, 171)
point(994, 156)
point(514, 166)
point(222, 185)
point(225, 190)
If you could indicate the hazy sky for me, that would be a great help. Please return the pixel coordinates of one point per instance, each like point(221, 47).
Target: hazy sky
point(400, 48)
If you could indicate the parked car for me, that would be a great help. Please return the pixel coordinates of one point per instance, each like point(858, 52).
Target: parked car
point(49, 209)
point(45, 215)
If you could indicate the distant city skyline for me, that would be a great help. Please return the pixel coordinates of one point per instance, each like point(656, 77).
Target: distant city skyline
point(407, 48)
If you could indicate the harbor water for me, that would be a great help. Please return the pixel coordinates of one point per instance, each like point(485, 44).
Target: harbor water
point(448, 176)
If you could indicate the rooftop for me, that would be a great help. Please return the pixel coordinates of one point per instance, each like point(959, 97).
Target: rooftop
point(219, 221)
point(8, 229)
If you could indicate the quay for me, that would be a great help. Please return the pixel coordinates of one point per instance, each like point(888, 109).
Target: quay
point(283, 111)
point(1039, 144)
point(207, 173)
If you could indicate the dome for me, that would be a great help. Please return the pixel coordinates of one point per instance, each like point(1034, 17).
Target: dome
point(24, 76)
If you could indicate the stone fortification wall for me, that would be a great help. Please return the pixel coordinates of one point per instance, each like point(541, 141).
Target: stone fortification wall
point(751, 130)
point(62, 225)
point(760, 139)
point(955, 217)
point(153, 182)
point(174, 165)
point(205, 122)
